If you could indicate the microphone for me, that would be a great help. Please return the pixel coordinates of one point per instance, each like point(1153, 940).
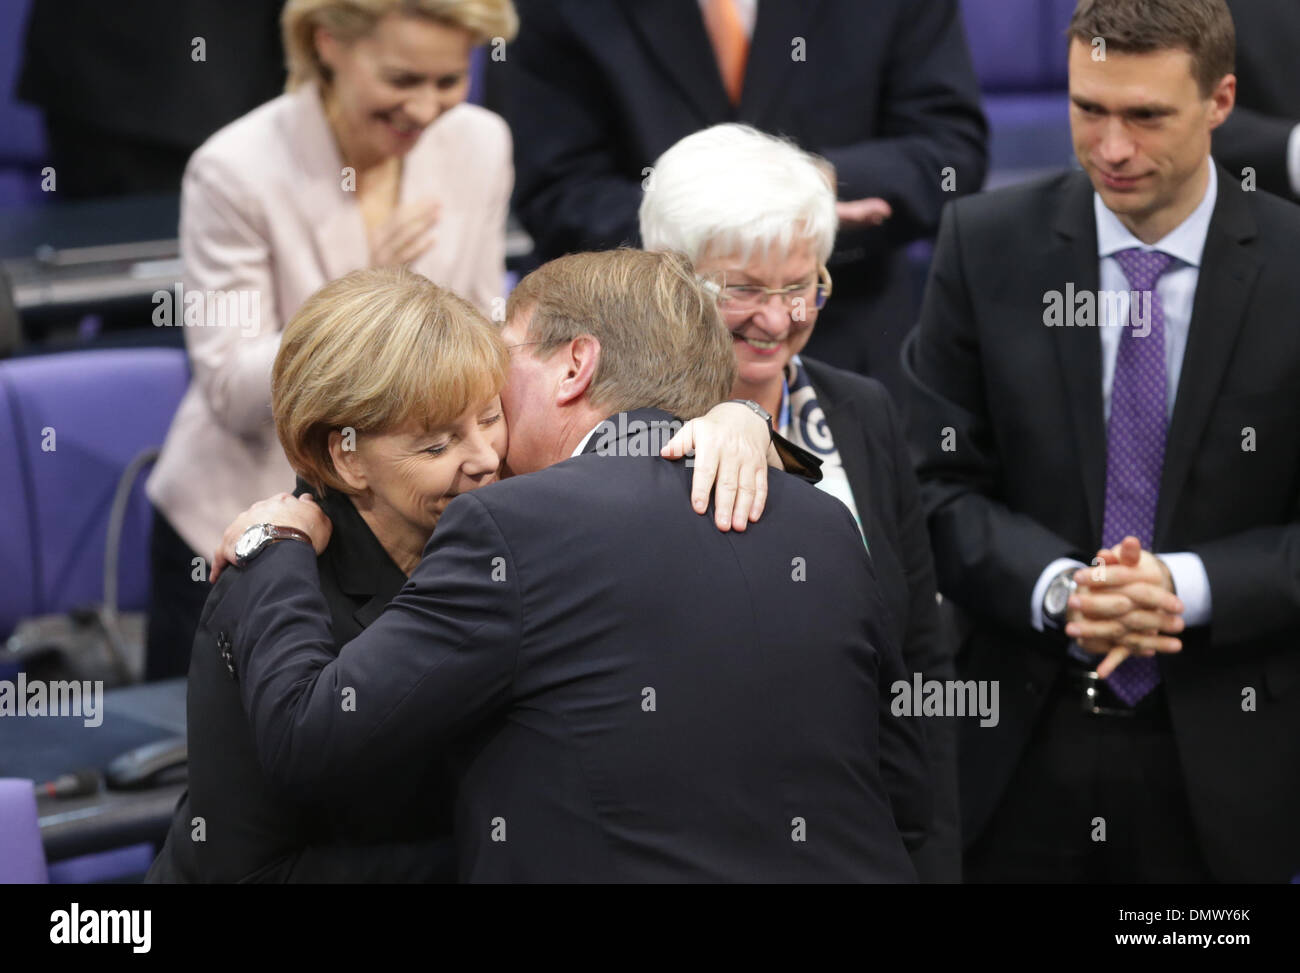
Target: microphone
point(79, 783)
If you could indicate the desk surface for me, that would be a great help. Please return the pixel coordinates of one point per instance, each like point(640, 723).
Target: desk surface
point(42, 748)
point(32, 230)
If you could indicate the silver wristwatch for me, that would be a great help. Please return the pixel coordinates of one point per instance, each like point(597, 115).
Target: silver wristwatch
point(1056, 600)
point(758, 409)
point(259, 537)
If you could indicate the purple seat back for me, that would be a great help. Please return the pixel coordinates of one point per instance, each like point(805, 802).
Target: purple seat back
point(1019, 51)
point(17, 546)
point(477, 65)
point(98, 409)
point(22, 859)
point(1018, 45)
point(22, 144)
point(116, 865)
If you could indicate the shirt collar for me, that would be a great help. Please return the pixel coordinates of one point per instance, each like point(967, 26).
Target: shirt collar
point(1185, 242)
point(583, 443)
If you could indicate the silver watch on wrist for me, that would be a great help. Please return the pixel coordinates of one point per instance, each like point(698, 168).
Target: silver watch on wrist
point(1056, 600)
point(259, 537)
point(758, 410)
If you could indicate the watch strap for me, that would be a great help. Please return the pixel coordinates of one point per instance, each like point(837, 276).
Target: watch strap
point(279, 533)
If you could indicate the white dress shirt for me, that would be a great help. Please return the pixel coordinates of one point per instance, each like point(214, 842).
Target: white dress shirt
point(1293, 159)
point(1176, 291)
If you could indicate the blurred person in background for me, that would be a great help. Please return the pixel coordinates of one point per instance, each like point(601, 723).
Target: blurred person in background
point(1263, 131)
point(130, 90)
point(1149, 730)
point(756, 216)
point(369, 159)
point(884, 91)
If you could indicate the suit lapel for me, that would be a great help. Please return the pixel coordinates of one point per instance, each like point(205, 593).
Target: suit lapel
point(331, 211)
point(1228, 271)
point(1073, 260)
point(674, 34)
point(372, 609)
point(770, 54)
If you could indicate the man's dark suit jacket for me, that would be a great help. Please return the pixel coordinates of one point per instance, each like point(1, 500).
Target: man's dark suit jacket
point(597, 91)
point(628, 694)
point(129, 68)
point(395, 829)
point(873, 448)
point(1024, 483)
point(1268, 93)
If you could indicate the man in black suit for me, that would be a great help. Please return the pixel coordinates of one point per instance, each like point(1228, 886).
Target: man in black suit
point(130, 90)
point(1263, 132)
point(883, 90)
point(1111, 358)
point(626, 693)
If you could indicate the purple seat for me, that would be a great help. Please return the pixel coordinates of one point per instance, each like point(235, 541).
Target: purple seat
point(22, 148)
point(116, 865)
point(477, 65)
point(1019, 51)
point(17, 548)
point(98, 409)
point(1056, 20)
point(22, 859)
point(1007, 44)
point(1029, 132)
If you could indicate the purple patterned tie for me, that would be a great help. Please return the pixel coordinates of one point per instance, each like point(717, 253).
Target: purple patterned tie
point(1135, 441)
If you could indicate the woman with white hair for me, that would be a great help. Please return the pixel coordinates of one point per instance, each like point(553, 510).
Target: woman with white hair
point(756, 215)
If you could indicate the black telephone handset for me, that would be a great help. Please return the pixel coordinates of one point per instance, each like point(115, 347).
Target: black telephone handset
point(155, 764)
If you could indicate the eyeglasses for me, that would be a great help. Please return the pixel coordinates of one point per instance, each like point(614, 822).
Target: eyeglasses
point(750, 297)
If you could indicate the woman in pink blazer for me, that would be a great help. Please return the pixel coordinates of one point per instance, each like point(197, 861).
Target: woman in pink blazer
point(370, 158)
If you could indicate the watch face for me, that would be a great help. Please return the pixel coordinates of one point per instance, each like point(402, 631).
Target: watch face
point(250, 540)
point(1058, 596)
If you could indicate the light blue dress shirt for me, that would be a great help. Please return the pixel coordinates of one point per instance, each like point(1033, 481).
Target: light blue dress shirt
point(1176, 290)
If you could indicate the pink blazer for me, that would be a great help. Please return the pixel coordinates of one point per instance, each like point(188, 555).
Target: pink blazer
point(263, 210)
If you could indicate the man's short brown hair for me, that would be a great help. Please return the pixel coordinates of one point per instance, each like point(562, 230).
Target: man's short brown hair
point(662, 341)
point(1203, 28)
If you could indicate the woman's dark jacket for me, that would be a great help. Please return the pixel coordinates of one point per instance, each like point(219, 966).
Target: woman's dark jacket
point(231, 826)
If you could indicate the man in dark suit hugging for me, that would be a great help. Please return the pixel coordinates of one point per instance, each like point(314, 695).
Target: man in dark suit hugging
point(626, 693)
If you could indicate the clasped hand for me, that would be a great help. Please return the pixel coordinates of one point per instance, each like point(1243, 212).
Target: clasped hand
point(1125, 605)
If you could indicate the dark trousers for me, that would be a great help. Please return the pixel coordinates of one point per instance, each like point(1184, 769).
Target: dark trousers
point(175, 602)
point(1080, 773)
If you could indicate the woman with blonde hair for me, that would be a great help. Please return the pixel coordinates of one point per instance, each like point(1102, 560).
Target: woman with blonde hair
point(369, 159)
point(386, 395)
